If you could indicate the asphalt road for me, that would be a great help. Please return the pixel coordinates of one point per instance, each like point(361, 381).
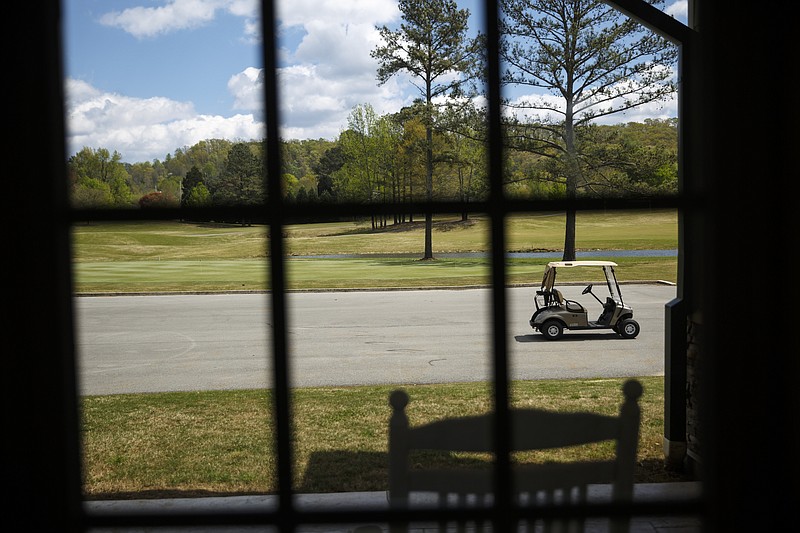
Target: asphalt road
point(206, 342)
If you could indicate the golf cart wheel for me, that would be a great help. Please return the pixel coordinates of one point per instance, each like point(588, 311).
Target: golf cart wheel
point(552, 329)
point(628, 328)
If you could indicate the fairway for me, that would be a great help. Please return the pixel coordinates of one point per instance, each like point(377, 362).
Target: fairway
point(188, 257)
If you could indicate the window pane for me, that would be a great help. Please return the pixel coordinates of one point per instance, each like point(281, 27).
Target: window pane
point(360, 117)
point(678, 9)
point(157, 95)
point(576, 127)
point(173, 359)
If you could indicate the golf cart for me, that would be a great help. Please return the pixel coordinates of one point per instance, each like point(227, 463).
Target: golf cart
point(554, 313)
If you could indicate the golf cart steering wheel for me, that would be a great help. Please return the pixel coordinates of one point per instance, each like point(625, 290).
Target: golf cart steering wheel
point(588, 289)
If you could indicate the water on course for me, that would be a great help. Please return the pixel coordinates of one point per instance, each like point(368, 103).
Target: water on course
point(510, 255)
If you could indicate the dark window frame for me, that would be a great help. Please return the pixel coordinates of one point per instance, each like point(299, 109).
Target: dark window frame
point(277, 215)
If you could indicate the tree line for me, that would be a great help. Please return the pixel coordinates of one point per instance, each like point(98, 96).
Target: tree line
point(376, 159)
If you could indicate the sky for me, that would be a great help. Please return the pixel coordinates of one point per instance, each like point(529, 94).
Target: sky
point(147, 77)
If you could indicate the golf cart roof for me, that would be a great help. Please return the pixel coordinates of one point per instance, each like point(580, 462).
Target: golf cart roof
point(549, 278)
point(555, 264)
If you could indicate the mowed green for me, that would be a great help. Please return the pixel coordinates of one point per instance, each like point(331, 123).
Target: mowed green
point(189, 257)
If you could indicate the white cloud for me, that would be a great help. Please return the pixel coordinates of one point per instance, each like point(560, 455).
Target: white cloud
point(243, 8)
point(314, 105)
point(325, 73)
point(655, 110)
point(300, 12)
point(144, 129)
point(175, 15)
point(536, 106)
point(247, 88)
point(678, 9)
point(327, 69)
point(330, 70)
point(342, 49)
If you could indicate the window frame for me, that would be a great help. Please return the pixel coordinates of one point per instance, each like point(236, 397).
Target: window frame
point(286, 516)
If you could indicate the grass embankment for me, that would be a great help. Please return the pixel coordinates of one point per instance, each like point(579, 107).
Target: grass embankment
point(172, 256)
point(221, 442)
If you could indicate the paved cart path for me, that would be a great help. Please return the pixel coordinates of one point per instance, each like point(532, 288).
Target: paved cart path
point(207, 342)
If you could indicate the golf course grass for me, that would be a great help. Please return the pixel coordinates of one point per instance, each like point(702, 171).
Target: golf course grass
point(189, 257)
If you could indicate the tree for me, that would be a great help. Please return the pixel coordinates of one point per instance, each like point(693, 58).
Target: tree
point(635, 163)
point(143, 177)
point(176, 164)
point(209, 157)
point(289, 185)
point(155, 199)
point(594, 60)
point(170, 187)
point(432, 46)
point(413, 153)
point(199, 196)
point(99, 170)
point(241, 181)
point(369, 155)
point(193, 178)
point(466, 152)
point(327, 165)
point(299, 156)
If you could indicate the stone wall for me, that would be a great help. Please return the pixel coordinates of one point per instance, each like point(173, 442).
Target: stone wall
point(693, 353)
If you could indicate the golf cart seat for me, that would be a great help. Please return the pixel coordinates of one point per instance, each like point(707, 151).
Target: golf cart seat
point(570, 305)
point(551, 297)
point(558, 298)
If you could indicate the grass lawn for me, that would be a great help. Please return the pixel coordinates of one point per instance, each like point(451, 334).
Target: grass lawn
point(222, 442)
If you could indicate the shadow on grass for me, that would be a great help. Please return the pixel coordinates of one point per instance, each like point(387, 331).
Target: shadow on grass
point(345, 471)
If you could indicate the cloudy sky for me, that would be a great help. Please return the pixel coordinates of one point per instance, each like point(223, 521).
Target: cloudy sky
point(145, 77)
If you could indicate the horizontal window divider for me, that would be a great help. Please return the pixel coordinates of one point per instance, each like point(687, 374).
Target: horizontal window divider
point(264, 214)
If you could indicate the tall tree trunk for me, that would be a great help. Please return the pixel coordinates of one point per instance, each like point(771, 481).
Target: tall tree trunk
point(410, 196)
point(572, 171)
point(429, 181)
point(569, 237)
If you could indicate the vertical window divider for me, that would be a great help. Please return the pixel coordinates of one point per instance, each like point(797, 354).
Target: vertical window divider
point(497, 212)
point(277, 280)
